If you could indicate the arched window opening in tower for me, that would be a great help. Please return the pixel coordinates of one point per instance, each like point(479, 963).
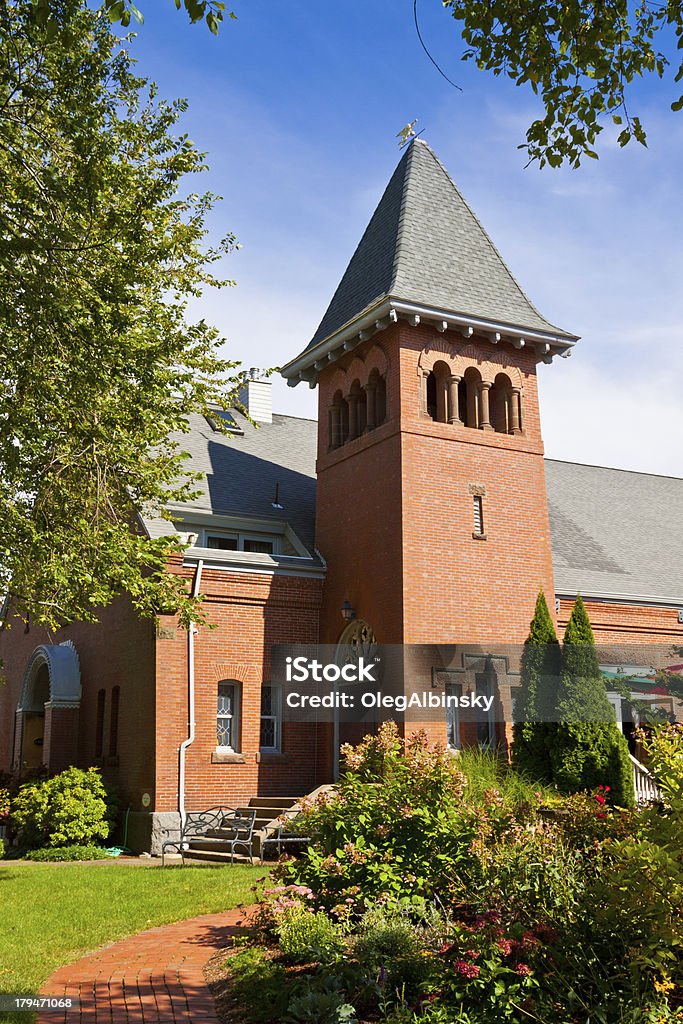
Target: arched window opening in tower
point(471, 411)
point(338, 421)
point(500, 399)
point(376, 399)
point(358, 410)
point(431, 395)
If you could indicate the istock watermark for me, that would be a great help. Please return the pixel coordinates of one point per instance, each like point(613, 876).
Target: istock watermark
point(303, 670)
point(459, 683)
point(425, 701)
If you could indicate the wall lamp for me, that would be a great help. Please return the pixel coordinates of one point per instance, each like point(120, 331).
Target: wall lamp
point(348, 613)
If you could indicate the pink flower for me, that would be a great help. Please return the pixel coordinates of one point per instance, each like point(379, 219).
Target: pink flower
point(471, 954)
point(466, 969)
point(505, 946)
point(523, 970)
point(600, 799)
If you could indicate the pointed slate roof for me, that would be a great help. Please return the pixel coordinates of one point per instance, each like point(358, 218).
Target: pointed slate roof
point(425, 246)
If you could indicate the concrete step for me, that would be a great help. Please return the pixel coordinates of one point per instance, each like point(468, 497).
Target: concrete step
point(268, 813)
point(281, 802)
point(218, 857)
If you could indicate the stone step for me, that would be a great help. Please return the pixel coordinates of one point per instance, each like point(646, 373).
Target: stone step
point(219, 856)
point(281, 802)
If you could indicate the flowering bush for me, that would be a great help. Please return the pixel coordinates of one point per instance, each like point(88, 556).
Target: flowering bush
point(444, 903)
point(4, 805)
point(638, 898)
point(305, 935)
point(399, 825)
point(491, 968)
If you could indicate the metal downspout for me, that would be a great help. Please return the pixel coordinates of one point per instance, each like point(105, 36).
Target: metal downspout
point(192, 631)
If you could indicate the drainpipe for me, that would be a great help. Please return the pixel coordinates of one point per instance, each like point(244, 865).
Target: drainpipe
point(192, 631)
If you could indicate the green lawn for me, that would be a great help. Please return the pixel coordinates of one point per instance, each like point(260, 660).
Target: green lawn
point(51, 914)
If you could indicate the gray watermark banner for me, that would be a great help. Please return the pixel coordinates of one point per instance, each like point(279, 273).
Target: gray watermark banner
point(422, 683)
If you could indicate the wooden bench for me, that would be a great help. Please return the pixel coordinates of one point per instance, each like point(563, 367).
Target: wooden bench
point(215, 830)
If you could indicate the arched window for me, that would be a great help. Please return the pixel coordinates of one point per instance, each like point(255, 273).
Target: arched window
point(228, 716)
point(339, 421)
point(470, 410)
point(376, 400)
point(381, 400)
point(99, 723)
point(500, 398)
point(114, 721)
point(358, 412)
point(431, 395)
point(437, 392)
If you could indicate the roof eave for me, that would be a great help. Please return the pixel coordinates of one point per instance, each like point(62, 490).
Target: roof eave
point(389, 309)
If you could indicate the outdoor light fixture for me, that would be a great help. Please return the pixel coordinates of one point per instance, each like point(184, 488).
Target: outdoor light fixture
point(348, 612)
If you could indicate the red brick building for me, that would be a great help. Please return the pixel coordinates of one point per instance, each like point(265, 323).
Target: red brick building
point(418, 510)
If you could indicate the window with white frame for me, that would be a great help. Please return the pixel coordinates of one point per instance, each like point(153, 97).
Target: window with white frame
point(255, 543)
point(270, 718)
point(222, 542)
point(228, 716)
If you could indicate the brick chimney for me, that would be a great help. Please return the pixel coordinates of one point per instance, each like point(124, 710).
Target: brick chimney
point(256, 396)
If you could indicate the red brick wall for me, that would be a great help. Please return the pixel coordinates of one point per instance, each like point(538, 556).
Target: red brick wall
point(457, 588)
point(395, 510)
point(359, 515)
point(119, 651)
point(250, 612)
point(624, 625)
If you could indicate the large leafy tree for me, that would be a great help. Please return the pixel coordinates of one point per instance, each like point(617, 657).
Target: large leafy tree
point(535, 706)
point(100, 250)
point(581, 57)
point(588, 750)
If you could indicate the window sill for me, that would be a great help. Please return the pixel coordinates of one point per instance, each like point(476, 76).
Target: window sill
point(479, 536)
point(272, 757)
point(227, 757)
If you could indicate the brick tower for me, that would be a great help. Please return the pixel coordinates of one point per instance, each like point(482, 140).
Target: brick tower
point(432, 513)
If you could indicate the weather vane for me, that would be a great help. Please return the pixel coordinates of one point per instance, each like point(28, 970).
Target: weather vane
point(407, 133)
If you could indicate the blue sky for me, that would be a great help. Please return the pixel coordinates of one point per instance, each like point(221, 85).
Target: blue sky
point(298, 106)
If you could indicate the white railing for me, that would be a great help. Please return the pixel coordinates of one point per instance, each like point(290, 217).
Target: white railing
point(647, 790)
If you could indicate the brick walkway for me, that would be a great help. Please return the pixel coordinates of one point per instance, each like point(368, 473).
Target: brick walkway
point(155, 977)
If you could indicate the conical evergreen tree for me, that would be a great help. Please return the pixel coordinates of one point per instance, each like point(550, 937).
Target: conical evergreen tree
point(588, 749)
point(535, 704)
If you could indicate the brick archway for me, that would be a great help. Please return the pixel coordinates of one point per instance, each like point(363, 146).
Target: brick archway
point(46, 726)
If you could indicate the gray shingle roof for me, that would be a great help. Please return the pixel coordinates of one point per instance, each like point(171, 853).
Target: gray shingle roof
point(424, 245)
point(239, 473)
point(616, 533)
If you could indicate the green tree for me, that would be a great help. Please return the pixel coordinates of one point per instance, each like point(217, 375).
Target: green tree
point(536, 701)
point(588, 750)
point(580, 57)
point(100, 252)
point(125, 11)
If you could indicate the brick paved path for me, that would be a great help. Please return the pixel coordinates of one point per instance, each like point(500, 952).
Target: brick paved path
point(155, 977)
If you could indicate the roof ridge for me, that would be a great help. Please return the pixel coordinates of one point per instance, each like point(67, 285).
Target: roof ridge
point(615, 469)
point(481, 227)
